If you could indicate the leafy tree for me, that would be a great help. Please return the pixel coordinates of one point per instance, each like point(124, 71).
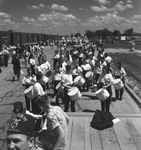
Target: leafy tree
point(128, 32)
point(77, 34)
point(116, 33)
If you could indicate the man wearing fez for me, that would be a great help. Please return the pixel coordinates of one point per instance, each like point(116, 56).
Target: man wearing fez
point(20, 134)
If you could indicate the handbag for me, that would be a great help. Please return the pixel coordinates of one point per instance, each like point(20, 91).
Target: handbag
point(102, 120)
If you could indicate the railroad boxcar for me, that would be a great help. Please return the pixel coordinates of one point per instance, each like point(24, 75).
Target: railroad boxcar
point(16, 39)
point(5, 38)
point(24, 38)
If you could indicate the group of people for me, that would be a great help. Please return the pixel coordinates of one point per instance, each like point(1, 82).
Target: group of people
point(42, 124)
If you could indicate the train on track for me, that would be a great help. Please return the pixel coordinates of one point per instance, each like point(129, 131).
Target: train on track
point(13, 38)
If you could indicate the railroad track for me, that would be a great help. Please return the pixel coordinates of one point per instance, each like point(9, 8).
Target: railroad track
point(131, 63)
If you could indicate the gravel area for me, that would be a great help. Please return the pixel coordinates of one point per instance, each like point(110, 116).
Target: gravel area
point(134, 85)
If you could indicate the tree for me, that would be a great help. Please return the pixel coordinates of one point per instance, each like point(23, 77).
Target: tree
point(90, 34)
point(128, 32)
point(116, 33)
point(77, 34)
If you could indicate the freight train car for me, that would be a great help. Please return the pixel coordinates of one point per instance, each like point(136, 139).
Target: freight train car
point(4, 38)
point(14, 38)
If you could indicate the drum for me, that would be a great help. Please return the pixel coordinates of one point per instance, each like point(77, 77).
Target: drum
point(60, 88)
point(79, 81)
point(74, 94)
point(118, 84)
point(44, 80)
point(89, 75)
point(29, 92)
point(102, 94)
point(108, 59)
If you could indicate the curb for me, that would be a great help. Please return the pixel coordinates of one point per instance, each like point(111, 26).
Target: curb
point(133, 95)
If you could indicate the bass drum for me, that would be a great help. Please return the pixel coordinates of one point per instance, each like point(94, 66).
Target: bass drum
point(118, 84)
point(102, 94)
point(74, 94)
point(29, 92)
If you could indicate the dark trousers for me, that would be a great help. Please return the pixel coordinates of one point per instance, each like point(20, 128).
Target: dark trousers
point(27, 102)
point(32, 69)
point(55, 62)
point(36, 110)
point(56, 92)
point(67, 100)
point(87, 82)
point(119, 93)
point(5, 60)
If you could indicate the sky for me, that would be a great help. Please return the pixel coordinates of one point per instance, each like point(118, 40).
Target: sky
point(64, 17)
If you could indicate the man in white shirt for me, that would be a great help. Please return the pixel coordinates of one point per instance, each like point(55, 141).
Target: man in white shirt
point(67, 81)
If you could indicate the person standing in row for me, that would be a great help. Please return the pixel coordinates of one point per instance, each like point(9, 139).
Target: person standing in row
point(120, 74)
point(28, 81)
point(42, 57)
point(67, 81)
point(16, 66)
point(56, 58)
point(38, 91)
point(56, 78)
point(105, 81)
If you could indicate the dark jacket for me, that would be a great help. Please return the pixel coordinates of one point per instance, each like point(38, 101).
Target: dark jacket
point(16, 63)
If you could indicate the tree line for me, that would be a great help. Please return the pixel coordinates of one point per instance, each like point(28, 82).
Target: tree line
point(105, 33)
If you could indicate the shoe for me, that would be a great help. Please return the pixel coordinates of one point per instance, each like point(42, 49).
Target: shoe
point(120, 98)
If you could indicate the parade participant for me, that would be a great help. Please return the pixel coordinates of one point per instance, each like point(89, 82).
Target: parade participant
point(132, 45)
point(119, 73)
point(92, 61)
point(55, 58)
point(37, 91)
point(28, 81)
point(56, 78)
point(20, 134)
point(32, 63)
point(68, 57)
point(46, 70)
point(26, 55)
point(80, 57)
point(18, 50)
point(67, 82)
point(42, 57)
point(54, 137)
point(86, 67)
point(16, 66)
point(105, 81)
point(5, 53)
point(97, 71)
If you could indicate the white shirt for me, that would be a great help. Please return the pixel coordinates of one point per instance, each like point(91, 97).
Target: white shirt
point(67, 79)
point(107, 79)
point(32, 61)
point(38, 90)
point(77, 71)
point(120, 72)
point(86, 67)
